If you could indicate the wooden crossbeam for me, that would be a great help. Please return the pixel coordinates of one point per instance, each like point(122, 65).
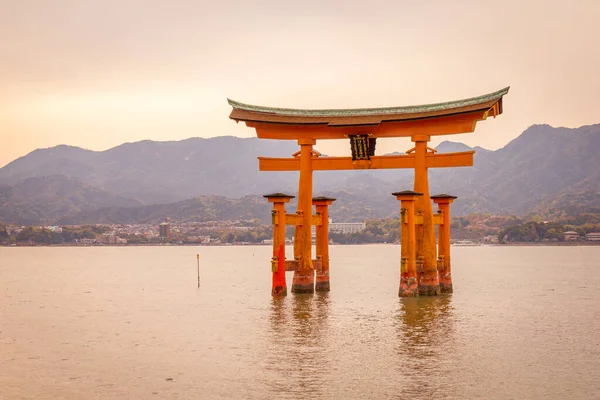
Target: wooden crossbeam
point(445, 160)
point(434, 160)
point(438, 219)
point(294, 265)
point(296, 219)
point(441, 125)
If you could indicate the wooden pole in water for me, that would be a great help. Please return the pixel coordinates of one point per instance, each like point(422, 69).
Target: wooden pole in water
point(304, 277)
point(429, 283)
point(443, 202)
point(279, 285)
point(408, 262)
point(322, 232)
point(198, 263)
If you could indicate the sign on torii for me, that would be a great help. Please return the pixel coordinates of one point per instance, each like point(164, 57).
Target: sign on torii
point(363, 127)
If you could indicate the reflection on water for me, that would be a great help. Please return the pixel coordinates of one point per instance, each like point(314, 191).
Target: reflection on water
point(298, 356)
point(424, 346)
point(129, 323)
point(426, 324)
point(307, 348)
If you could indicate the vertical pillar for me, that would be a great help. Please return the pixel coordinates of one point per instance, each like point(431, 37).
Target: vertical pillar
point(443, 202)
point(304, 277)
point(279, 286)
point(408, 260)
point(322, 204)
point(426, 249)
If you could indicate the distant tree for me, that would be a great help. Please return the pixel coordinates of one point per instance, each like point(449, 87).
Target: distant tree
point(532, 232)
point(264, 236)
point(555, 234)
point(39, 236)
point(71, 233)
point(537, 218)
point(135, 239)
point(459, 222)
point(227, 237)
point(3, 232)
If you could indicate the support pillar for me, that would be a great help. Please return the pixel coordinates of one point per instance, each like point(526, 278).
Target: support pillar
point(443, 202)
point(408, 262)
point(425, 241)
point(279, 285)
point(304, 277)
point(322, 241)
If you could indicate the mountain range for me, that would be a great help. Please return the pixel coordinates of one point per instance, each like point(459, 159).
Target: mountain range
point(542, 169)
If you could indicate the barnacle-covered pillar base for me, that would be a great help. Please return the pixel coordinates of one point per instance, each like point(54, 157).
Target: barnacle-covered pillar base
point(279, 286)
point(322, 204)
point(409, 286)
point(443, 202)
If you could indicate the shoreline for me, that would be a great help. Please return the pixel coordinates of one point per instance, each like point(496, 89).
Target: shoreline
point(545, 244)
point(515, 244)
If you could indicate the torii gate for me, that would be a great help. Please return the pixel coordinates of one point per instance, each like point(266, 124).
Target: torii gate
point(424, 270)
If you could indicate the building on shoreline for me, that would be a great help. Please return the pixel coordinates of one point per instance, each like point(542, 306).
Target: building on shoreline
point(593, 236)
point(571, 236)
point(164, 229)
point(347, 227)
point(108, 238)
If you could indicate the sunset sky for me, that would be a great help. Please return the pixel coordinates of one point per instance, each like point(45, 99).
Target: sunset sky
point(96, 73)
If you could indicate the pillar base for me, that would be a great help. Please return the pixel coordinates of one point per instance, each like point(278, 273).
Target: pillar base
point(322, 283)
point(304, 282)
point(446, 284)
point(408, 287)
point(429, 286)
point(279, 291)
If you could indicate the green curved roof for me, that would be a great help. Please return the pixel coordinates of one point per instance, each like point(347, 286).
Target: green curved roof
point(407, 193)
point(371, 111)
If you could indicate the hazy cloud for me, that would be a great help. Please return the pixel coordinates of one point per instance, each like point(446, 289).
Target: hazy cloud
point(99, 73)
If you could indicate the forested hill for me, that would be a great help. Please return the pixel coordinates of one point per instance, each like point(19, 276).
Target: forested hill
point(545, 170)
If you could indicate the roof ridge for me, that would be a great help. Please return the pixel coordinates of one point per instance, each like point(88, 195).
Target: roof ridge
point(371, 111)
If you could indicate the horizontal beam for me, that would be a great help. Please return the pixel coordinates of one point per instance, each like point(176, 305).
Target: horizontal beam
point(294, 265)
point(296, 219)
point(434, 160)
point(446, 160)
point(443, 125)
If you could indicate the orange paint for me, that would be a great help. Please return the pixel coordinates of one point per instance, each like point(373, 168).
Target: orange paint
point(425, 234)
point(279, 286)
point(446, 125)
point(443, 202)
point(445, 160)
point(419, 254)
point(408, 264)
point(304, 278)
point(322, 242)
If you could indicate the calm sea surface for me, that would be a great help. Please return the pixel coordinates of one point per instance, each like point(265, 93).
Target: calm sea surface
point(129, 323)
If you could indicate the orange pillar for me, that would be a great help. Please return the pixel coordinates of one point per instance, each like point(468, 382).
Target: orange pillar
point(443, 202)
point(322, 204)
point(426, 249)
point(304, 277)
point(279, 286)
point(408, 261)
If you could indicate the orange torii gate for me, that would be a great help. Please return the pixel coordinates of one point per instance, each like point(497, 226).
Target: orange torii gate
point(425, 269)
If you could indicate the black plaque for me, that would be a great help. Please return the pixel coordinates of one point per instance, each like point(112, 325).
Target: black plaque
point(362, 146)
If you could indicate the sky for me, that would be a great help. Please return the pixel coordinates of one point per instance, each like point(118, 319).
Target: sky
point(96, 74)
